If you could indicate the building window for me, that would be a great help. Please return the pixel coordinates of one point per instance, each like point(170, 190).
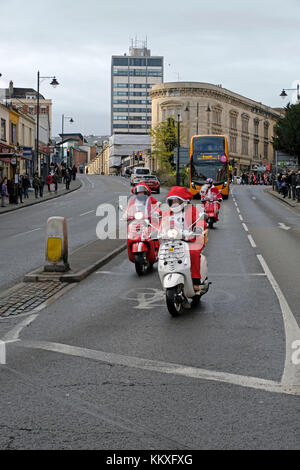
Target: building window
point(43, 111)
point(245, 124)
point(232, 144)
point(13, 134)
point(256, 126)
point(3, 129)
point(245, 146)
point(266, 150)
point(31, 110)
point(233, 121)
point(266, 130)
point(255, 148)
point(216, 116)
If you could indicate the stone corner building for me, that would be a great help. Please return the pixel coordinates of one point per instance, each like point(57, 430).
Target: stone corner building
point(247, 124)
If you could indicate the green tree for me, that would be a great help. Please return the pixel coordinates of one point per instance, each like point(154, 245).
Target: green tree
point(164, 140)
point(287, 132)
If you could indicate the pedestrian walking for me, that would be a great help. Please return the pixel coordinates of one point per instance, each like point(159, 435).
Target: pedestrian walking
point(36, 185)
point(49, 182)
point(293, 179)
point(26, 186)
point(68, 179)
point(20, 188)
point(284, 187)
point(4, 192)
point(74, 171)
point(55, 181)
point(41, 186)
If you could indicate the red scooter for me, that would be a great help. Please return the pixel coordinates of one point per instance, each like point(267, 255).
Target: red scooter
point(142, 250)
point(211, 208)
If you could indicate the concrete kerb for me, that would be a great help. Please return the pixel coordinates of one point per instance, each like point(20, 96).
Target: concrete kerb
point(63, 193)
point(277, 196)
point(40, 276)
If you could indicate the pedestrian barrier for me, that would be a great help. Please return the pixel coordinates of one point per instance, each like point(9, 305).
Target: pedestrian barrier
point(56, 245)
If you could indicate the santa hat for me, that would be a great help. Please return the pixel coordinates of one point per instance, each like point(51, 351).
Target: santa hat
point(180, 192)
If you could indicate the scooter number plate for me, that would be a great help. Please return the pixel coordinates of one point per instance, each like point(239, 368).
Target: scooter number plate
point(171, 250)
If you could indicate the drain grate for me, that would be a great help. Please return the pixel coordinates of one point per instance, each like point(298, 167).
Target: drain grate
point(27, 296)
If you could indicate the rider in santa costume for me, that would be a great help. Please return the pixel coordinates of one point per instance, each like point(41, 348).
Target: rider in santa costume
point(183, 214)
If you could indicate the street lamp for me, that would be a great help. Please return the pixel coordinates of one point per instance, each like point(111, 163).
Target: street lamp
point(53, 83)
point(178, 147)
point(187, 108)
point(63, 117)
point(283, 94)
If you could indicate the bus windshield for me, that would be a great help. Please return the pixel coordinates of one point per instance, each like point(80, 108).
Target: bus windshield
point(208, 145)
point(201, 170)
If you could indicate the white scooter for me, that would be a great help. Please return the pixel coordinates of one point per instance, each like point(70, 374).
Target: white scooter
point(174, 268)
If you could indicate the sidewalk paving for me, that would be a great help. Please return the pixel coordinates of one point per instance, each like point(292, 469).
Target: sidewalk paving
point(83, 261)
point(61, 190)
point(289, 201)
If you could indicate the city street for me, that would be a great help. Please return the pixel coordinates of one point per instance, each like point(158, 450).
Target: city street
point(106, 367)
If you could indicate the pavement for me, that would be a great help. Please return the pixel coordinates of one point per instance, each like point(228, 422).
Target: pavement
point(61, 191)
point(289, 201)
point(83, 261)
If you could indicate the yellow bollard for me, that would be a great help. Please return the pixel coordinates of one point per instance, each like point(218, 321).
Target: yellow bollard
point(56, 245)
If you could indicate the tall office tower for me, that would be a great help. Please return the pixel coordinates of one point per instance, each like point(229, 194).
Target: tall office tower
point(132, 77)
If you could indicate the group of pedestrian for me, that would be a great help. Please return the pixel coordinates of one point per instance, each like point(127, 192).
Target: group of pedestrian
point(288, 184)
point(18, 188)
point(14, 189)
point(259, 178)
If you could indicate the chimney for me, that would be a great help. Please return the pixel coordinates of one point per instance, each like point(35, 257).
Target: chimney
point(11, 89)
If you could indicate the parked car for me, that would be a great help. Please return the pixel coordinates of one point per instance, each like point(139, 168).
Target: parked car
point(153, 183)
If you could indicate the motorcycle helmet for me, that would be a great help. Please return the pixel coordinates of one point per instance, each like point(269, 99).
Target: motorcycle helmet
point(210, 182)
point(177, 198)
point(141, 188)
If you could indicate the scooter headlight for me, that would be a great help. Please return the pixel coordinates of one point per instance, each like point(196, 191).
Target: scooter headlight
point(138, 216)
point(172, 233)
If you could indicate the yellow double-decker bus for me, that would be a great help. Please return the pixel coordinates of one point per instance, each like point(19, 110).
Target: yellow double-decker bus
point(209, 159)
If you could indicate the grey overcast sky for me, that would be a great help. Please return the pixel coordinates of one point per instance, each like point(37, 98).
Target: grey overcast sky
point(250, 47)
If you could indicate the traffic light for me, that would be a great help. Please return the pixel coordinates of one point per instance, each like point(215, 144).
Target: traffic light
point(135, 156)
point(140, 156)
point(68, 152)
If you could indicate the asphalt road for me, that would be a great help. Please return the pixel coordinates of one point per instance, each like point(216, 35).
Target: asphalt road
point(22, 232)
point(106, 366)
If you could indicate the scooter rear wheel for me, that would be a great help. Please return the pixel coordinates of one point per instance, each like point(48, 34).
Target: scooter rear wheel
point(195, 301)
point(140, 266)
point(175, 308)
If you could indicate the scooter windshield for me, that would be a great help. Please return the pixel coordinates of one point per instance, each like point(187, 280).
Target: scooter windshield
point(139, 204)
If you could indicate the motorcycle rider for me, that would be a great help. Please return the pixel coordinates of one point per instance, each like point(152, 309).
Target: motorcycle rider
point(209, 191)
point(183, 214)
point(143, 202)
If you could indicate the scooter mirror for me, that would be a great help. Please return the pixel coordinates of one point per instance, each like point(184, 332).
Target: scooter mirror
point(121, 207)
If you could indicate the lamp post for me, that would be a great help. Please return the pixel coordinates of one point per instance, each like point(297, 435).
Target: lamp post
point(283, 94)
point(63, 117)
point(187, 108)
point(178, 151)
point(54, 83)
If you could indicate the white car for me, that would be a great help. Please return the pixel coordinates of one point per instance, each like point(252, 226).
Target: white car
point(138, 173)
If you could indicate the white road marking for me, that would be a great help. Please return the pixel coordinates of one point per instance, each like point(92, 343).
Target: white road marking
point(236, 204)
point(252, 242)
point(283, 226)
point(238, 210)
point(164, 367)
point(85, 213)
point(91, 183)
point(111, 272)
point(25, 233)
point(245, 227)
point(2, 352)
point(291, 373)
point(13, 335)
point(253, 197)
point(241, 217)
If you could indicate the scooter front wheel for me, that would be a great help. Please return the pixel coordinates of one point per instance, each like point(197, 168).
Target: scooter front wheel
point(174, 306)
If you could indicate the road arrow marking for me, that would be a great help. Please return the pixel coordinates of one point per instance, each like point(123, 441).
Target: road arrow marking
point(283, 226)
